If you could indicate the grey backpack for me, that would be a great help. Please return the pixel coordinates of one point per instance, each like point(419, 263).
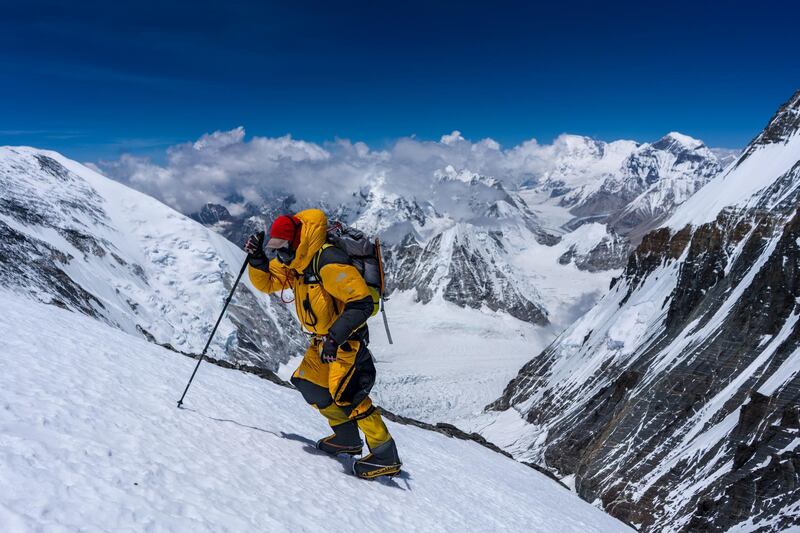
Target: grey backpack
point(365, 254)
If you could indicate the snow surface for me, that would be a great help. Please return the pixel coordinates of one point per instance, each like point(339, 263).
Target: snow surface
point(584, 238)
point(552, 215)
point(566, 291)
point(90, 439)
point(448, 363)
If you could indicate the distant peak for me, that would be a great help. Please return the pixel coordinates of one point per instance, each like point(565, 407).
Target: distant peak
point(580, 144)
point(450, 173)
point(571, 139)
point(676, 139)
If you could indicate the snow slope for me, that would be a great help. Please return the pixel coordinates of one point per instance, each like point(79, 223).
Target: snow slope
point(78, 239)
point(740, 185)
point(90, 439)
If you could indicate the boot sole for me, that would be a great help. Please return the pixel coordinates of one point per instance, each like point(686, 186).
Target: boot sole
point(336, 451)
point(386, 471)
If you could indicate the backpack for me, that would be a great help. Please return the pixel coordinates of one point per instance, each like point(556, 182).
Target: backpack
point(365, 254)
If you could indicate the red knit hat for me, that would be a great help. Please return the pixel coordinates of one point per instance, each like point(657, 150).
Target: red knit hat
point(284, 228)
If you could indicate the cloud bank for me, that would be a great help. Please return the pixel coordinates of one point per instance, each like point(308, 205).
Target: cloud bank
point(224, 163)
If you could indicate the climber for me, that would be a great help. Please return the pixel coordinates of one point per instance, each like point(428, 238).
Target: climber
point(333, 303)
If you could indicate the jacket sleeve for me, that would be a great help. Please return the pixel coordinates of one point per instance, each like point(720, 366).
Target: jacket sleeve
point(271, 281)
point(342, 281)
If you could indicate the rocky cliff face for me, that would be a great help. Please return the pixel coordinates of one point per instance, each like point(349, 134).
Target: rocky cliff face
point(73, 238)
point(674, 402)
point(468, 267)
point(610, 253)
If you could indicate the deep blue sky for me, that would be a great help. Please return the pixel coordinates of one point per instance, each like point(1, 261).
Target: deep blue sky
point(94, 79)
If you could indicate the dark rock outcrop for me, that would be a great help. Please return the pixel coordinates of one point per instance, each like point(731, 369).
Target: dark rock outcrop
point(211, 214)
point(610, 253)
point(467, 267)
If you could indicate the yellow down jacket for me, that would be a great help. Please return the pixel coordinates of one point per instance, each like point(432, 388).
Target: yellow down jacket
point(319, 300)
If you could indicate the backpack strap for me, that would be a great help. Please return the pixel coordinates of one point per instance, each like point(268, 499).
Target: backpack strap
point(327, 255)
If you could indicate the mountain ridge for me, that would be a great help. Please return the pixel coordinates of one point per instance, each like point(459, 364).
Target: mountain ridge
point(674, 400)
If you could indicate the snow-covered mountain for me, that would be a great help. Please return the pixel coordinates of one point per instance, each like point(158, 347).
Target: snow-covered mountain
point(477, 277)
point(459, 236)
point(674, 401)
point(630, 186)
point(470, 268)
point(458, 228)
point(479, 243)
point(92, 440)
point(462, 243)
point(483, 274)
point(73, 238)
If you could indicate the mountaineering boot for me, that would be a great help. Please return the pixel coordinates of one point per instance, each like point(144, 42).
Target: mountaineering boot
point(382, 461)
point(345, 439)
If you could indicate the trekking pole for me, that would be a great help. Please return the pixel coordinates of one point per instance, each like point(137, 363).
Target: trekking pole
point(203, 354)
point(385, 321)
point(382, 290)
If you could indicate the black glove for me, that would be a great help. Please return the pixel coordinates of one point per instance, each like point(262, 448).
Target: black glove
point(329, 349)
point(254, 247)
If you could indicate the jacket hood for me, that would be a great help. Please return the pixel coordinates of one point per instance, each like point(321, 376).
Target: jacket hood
point(313, 234)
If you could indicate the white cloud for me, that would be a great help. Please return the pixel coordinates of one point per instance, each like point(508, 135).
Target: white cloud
point(221, 163)
point(452, 138)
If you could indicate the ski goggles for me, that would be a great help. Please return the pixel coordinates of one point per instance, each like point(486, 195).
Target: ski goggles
point(280, 249)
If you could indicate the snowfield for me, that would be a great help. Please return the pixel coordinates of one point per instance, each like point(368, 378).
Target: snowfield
point(448, 363)
point(91, 440)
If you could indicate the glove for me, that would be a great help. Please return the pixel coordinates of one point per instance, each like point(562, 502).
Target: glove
point(329, 349)
point(254, 247)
